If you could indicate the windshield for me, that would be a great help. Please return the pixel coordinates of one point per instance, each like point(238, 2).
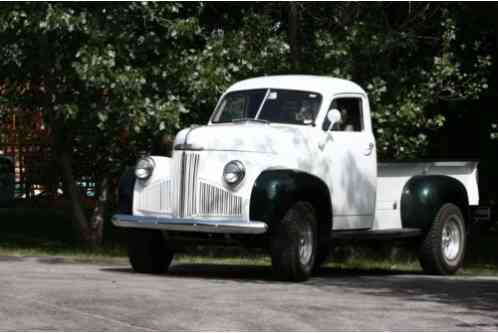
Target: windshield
point(272, 105)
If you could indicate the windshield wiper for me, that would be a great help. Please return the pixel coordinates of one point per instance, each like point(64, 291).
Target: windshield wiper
point(237, 120)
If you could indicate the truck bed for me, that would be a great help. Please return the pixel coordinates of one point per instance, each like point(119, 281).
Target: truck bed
point(392, 177)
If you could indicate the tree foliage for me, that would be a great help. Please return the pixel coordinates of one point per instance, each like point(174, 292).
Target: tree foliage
point(97, 73)
point(409, 58)
point(108, 77)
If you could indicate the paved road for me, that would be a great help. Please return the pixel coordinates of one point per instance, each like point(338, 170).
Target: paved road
point(48, 294)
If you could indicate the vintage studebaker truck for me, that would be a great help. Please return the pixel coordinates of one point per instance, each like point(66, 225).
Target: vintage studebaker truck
point(289, 164)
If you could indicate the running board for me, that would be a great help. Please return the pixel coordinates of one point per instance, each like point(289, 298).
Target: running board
point(376, 234)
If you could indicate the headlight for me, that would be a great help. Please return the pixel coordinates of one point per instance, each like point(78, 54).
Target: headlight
point(234, 172)
point(144, 168)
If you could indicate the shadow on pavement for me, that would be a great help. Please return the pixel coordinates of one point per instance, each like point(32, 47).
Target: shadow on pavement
point(259, 273)
point(256, 273)
point(469, 293)
point(248, 273)
point(10, 258)
point(52, 260)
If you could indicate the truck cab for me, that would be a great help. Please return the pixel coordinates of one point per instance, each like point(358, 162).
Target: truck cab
point(289, 163)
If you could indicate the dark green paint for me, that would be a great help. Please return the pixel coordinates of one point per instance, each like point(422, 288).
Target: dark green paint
point(423, 196)
point(276, 190)
point(125, 191)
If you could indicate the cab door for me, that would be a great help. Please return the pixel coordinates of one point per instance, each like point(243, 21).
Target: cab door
point(350, 156)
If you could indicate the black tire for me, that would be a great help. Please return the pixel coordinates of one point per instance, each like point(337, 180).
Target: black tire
point(294, 243)
point(148, 252)
point(439, 255)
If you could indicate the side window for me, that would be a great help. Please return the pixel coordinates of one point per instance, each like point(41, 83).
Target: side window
point(351, 114)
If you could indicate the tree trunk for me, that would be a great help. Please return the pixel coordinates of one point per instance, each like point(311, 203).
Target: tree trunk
point(294, 44)
point(96, 227)
point(72, 192)
point(90, 231)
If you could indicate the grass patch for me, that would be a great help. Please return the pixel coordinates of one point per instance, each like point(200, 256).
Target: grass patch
point(41, 231)
point(362, 263)
point(243, 260)
point(74, 256)
point(359, 264)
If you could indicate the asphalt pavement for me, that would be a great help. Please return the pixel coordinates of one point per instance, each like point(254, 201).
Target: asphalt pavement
point(49, 294)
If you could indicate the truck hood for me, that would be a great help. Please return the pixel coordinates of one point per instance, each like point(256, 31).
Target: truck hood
point(244, 137)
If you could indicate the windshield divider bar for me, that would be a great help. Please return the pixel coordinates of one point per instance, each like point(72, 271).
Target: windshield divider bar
point(262, 104)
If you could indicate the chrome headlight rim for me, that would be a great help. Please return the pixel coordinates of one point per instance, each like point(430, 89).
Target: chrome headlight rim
point(234, 173)
point(144, 168)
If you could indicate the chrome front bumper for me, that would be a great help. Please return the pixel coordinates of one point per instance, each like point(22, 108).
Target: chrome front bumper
point(189, 224)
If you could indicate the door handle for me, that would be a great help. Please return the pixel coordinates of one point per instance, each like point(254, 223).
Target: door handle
point(370, 149)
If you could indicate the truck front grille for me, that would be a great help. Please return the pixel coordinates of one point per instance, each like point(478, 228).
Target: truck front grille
point(192, 197)
point(184, 194)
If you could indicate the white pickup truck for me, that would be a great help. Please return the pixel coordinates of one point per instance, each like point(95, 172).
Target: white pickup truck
point(288, 163)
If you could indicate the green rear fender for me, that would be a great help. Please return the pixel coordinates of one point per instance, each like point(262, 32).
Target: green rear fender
point(423, 196)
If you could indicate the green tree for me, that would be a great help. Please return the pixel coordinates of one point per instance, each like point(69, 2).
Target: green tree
point(100, 73)
point(96, 72)
point(409, 58)
point(238, 42)
point(413, 59)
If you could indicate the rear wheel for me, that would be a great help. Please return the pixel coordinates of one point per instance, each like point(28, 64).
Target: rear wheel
point(443, 248)
point(294, 243)
point(148, 252)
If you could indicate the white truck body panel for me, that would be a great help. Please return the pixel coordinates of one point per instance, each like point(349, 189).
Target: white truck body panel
point(263, 147)
point(392, 177)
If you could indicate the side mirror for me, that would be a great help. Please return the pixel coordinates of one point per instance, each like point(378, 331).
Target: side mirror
point(334, 116)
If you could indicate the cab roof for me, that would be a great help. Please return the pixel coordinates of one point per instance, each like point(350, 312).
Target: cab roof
point(321, 84)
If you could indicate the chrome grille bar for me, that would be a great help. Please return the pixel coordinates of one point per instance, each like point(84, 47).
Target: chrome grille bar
point(191, 166)
point(166, 197)
point(215, 201)
point(177, 187)
point(187, 171)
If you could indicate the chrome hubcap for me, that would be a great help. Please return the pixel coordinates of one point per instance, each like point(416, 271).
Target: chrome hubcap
point(305, 244)
point(452, 238)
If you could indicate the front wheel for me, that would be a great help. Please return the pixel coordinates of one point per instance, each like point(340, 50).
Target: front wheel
point(148, 252)
point(294, 243)
point(443, 247)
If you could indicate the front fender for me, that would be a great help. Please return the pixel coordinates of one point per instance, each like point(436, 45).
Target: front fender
point(274, 192)
point(423, 196)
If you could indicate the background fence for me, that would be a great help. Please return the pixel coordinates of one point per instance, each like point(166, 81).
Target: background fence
point(25, 139)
